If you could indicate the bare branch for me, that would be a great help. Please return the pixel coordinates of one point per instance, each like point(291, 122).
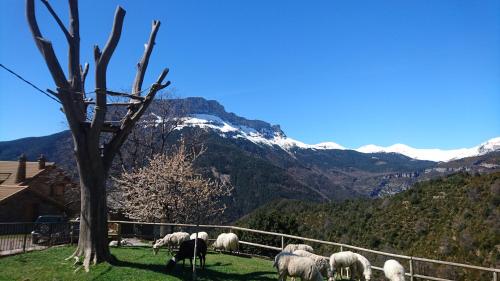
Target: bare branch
point(53, 93)
point(75, 76)
point(143, 64)
point(30, 15)
point(97, 54)
point(102, 60)
point(58, 20)
point(113, 39)
point(84, 71)
point(113, 93)
point(150, 96)
point(45, 47)
point(52, 62)
point(130, 119)
point(74, 20)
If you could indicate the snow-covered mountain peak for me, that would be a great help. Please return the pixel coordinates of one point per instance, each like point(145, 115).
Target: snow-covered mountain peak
point(278, 138)
point(434, 154)
point(328, 145)
point(263, 136)
point(489, 146)
point(209, 114)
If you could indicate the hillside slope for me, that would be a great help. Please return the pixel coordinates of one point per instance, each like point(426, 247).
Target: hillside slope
point(455, 218)
point(262, 163)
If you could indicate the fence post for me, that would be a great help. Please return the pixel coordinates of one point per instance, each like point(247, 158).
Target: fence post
point(71, 230)
point(24, 239)
point(119, 233)
point(411, 268)
point(495, 276)
point(341, 269)
point(282, 242)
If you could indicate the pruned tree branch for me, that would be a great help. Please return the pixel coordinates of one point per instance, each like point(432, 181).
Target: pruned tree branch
point(75, 75)
point(143, 63)
point(131, 119)
point(45, 47)
point(102, 61)
point(58, 20)
point(84, 71)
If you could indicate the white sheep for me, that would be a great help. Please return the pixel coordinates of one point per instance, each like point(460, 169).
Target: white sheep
point(113, 243)
point(290, 248)
point(172, 239)
point(202, 235)
point(394, 271)
point(361, 269)
point(227, 242)
point(342, 260)
point(123, 242)
point(322, 263)
point(292, 265)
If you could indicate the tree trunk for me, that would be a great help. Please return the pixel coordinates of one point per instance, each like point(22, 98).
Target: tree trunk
point(93, 239)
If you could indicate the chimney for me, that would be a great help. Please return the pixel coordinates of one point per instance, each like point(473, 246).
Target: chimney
point(21, 169)
point(41, 162)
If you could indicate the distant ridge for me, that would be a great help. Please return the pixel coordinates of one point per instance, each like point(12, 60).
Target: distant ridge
point(212, 115)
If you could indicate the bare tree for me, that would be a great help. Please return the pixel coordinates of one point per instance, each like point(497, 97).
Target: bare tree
point(152, 136)
point(86, 118)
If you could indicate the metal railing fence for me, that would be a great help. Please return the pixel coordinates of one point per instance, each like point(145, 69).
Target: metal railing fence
point(23, 237)
point(410, 261)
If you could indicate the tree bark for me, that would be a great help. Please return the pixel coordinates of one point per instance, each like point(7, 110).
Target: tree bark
point(93, 239)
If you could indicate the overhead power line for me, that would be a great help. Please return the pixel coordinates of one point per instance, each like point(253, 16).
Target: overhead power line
point(56, 100)
point(29, 83)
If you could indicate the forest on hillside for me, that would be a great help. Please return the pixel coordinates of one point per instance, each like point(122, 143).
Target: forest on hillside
point(454, 218)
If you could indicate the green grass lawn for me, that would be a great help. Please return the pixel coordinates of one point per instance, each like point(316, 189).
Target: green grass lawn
point(134, 263)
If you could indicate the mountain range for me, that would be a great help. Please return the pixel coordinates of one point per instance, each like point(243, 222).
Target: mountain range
point(263, 164)
point(272, 135)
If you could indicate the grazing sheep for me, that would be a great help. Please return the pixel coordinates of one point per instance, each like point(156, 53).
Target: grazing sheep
point(292, 265)
point(113, 243)
point(123, 242)
point(203, 235)
point(361, 269)
point(290, 248)
point(322, 263)
point(173, 239)
point(186, 251)
point(227, 242)
point(394, 271)
point(342, 260)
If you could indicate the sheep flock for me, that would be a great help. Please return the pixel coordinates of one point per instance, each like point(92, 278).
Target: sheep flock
point(295, 260)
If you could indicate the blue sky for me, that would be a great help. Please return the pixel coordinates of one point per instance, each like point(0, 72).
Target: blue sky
point(423, 73)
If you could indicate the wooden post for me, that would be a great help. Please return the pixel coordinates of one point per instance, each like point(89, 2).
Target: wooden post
point(495, 276)
point(341, 269)
point(411, 269)
point(24, 241)
point(71, 229)
point(282, 243)
point(195, 248)
point(119, 233)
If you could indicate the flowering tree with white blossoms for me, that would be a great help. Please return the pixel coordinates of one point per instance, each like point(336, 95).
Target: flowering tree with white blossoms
point(170, 189)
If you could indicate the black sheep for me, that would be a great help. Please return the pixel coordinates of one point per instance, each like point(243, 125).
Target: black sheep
point(186, 250)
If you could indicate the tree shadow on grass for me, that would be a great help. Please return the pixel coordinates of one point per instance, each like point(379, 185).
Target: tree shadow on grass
point(185, 273)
